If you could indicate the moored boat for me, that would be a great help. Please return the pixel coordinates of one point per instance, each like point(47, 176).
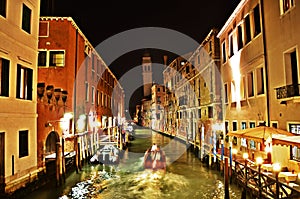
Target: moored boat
point(155, 158)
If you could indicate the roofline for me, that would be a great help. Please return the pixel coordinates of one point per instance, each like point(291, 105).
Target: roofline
point(85, 39)
point(232, 16)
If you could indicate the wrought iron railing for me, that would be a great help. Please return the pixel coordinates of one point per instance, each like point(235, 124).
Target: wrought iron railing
point(287, 91)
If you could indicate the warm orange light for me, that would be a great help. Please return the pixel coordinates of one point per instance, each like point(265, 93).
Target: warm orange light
point(234, 151)
point(245, 155)
point(276, 167)
point(259, 160)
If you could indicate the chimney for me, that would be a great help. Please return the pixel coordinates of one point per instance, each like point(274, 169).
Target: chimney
point(165, 60)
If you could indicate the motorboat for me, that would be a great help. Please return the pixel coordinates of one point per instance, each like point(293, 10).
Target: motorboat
point(155, 158)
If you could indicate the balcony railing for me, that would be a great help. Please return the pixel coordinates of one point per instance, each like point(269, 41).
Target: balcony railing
point(288, 91)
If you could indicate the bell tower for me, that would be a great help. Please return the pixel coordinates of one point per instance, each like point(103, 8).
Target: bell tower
point(147, 74)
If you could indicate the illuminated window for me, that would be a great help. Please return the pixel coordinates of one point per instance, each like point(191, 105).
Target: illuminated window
point(57, 58)
point(243, 125)
point(24, 83)
point(23, 143)
point(26, 19)
point(51, 58)
point(3, 8)
point(4, 77)
point(286, 5)
point(252, 144)
point(252, 124)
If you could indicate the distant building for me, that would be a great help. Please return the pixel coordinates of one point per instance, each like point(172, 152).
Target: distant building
point(18, 75)
point(157, 107)
point(147, 74)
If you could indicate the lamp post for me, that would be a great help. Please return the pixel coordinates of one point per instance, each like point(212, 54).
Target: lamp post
point(259, 162)
point(276, 169)
point(245, 156)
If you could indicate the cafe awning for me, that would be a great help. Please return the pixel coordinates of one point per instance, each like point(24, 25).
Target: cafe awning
point(287, 140)
point(260, 133)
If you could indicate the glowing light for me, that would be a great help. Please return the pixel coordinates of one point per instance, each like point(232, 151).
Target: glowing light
point(68, 116)
point(245, 155)
point(234, 151)
point(276, 167)
point(259, 160)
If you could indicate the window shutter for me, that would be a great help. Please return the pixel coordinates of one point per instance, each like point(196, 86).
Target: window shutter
point(18, 81)
point(29, 84)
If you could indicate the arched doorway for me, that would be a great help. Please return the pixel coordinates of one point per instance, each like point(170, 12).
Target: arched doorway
point(51, 142)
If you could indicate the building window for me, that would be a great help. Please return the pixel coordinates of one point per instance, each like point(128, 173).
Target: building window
point(210, 112)
point(23, 143)
point(86, 91)
point(26, 19)
point(98, 98)
point(252, 144)
point(247, 29)
point(4, 72)
point(230, 45)
point(243, 88)
point(51, 58)
point(256, 15)
point(199, 113)
point(243, 125)
point(226, 93)
point(57, 58)
point(93, 94)
point(42, 58)
point(260, 81)
point(286, 5)
point(295, 128)
point(233, 91)
point(252, 124)
point(234, 126)
point(240, 37)
point(24, 83)
point(3, 8)
point(224, 52)
point(291, 68)
point(250, 84)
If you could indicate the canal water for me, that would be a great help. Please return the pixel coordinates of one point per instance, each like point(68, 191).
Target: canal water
point(186, 176)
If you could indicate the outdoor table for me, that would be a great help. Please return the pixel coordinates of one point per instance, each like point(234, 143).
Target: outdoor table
point(289, 176)
point(267, 167)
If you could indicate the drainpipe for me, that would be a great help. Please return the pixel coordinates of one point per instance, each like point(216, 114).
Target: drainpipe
point(265, 59)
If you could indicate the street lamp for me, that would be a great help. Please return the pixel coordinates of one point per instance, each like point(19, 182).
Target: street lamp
point(259, 161)
point(276, 170)
point(245, 156)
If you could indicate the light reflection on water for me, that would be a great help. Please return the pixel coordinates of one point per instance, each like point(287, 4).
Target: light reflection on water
point(186, 177)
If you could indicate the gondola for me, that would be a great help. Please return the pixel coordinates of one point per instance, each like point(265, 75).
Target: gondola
point(155, 159)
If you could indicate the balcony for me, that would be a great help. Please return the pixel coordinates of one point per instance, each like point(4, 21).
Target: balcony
point(288, 92)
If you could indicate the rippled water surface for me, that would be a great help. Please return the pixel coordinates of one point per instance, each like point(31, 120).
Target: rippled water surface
point(185, 177)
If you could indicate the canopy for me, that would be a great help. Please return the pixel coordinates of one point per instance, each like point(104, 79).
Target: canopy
point(288, 140)
point(260, 133)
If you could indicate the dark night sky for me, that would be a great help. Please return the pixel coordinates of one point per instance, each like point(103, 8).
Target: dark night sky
point(99, 20)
